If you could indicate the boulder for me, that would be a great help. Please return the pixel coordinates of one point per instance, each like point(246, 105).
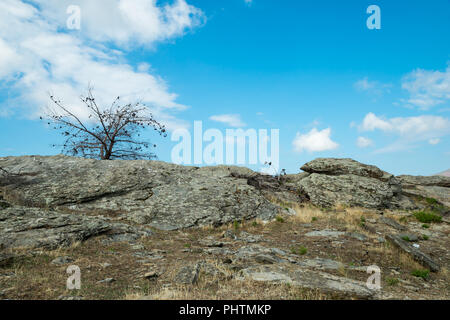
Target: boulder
point(333, 181)
point(337, 166)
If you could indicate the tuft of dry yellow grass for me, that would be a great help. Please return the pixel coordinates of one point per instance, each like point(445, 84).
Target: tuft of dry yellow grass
point(305, 214)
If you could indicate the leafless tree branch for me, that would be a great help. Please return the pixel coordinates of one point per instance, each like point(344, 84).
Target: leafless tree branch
point(110, 133)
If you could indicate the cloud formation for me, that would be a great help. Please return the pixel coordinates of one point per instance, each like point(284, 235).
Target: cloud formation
point(128, 22)
point(372, 87)
point(408, 130)
point(314, 141)
point(363, 142)
point(427, 88)
point(45, 58)
point(232, 120)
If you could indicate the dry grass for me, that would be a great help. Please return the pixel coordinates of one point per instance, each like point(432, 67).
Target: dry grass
point(208, 289)
point(306, 214)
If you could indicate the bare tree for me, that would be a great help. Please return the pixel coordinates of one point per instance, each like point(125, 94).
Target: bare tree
point(111, 133)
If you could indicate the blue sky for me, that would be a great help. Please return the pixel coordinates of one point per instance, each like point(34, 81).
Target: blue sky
point(311, 69)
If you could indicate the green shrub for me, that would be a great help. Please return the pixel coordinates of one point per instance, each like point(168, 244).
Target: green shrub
point(279, 219)
point(254, 224)
point(424, 274)
point(302, 250)
point(427, 217)
point(392, 281)
point(425, 226)
point(299, 250)
point(431, 201)
point(314, 219)
point(406, 238)
point(236, 225)
point(425, 237)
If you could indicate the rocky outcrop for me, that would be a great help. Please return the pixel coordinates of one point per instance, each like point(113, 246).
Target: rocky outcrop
point(153, 193)
point(169, 197)
point(345, 181)
point(36, 228)
point(436, 187)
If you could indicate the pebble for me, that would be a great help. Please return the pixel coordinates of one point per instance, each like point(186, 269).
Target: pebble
point(107, 280)
point(62, 260)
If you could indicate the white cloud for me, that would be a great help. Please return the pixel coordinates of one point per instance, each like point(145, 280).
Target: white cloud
point(126, 22)
point(363, 142)
point(427, 88)
point(314, 141)
point(409, 130)
point(232, 120)
point(434, 141)
point(372, 87)
point(36, 57)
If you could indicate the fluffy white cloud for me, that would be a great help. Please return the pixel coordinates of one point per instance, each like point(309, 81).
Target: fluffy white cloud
point(408, 130)
point(232, 120)
point(127, 21)
point(427, 88)
point(314, 141)
point(409, 126)
point(363, 142)
point(37, 58)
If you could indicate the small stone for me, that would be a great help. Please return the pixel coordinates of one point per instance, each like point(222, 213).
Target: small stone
point(151, 275)
point(357, 236)
point(62, 260)
point(105, 265)
point(381, 240)
point(188, 274)
point(409, 237)
point(325, 233)
point(107, 280)
point(266, 259)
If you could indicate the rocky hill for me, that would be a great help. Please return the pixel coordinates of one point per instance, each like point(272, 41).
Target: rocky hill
point(444, 173)
point(149, 229)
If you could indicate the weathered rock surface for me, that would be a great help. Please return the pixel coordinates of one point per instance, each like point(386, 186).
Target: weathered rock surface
point(336, 166)
point(415, 253)
point(188, 274)
point(33, 228)
point(436, 187)
point(169, 197)
point(304, 278)
point(348, 182)
point(411, 181)
point(392, 223)
point(162, 195)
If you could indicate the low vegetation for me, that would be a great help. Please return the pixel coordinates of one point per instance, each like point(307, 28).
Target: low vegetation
point(427, 217)
point(421, 273)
